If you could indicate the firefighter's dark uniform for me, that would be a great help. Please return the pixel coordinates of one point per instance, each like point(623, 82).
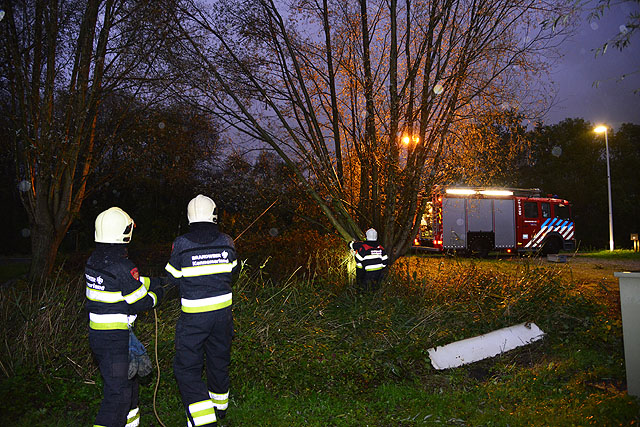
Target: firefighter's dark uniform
point(202, 262)
point(371, 264)
point(115, 293)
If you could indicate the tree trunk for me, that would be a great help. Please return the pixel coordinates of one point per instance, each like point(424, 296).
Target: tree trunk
point(45, 242)
point(54, 155)
point(47, 231)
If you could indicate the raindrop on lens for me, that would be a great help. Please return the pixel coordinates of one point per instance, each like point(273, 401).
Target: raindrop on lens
point(161, 125)
point(556, 151)
point(24, 185)
point(25, 232)
point(594, 26)
point(438, 89)
point(273, 232)
point(623, 29)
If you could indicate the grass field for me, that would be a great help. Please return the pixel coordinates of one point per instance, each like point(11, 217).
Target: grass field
point(618, 254)
point(309, 351)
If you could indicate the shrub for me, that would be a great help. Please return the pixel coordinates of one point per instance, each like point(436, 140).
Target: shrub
point(45, 326)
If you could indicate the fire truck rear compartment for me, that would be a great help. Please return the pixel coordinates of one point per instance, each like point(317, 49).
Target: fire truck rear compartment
point(478, 225)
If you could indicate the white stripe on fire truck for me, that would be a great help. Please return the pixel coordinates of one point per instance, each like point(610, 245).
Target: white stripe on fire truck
point(565, 229)
point(535, 237)
point(569, 234)
point(560, 226)
point(568, 230)
point(540, 238)
point(546, 227)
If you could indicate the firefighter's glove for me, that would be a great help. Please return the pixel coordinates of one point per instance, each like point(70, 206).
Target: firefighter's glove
point(139, 362)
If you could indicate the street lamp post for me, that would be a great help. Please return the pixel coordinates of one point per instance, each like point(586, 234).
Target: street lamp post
point(603, 129)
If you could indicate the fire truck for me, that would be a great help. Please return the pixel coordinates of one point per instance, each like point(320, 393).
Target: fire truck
point(479, 220)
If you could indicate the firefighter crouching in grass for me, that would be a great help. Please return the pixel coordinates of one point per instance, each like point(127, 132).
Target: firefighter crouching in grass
point(202, 262)
point(371, 262)
point(115, 293)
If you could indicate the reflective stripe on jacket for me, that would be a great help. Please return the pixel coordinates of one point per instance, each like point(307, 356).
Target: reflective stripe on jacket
point(114, 289)
point(369, 255)
point(203, 261)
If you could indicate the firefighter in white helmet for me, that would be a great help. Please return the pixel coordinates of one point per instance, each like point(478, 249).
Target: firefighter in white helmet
point(371, 262)
point(203, 262)
point(115, 292)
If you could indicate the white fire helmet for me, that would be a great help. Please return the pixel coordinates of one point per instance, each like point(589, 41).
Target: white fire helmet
point(114, 226)
point(372, 234)
point(202, 209)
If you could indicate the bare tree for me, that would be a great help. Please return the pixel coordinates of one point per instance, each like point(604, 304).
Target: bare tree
point(339, 85)
point(62, 57)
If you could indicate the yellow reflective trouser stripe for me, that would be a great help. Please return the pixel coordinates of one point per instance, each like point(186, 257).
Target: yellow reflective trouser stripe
point(108, 321)
point(202, 412)
point(206, 304)
point(133, 418)
point(220, 400)
point(108, 326)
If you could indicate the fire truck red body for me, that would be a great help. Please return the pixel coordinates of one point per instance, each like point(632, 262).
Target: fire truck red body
point(479, 220)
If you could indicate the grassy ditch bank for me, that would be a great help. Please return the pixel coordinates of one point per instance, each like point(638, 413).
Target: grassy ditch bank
point(308, 351)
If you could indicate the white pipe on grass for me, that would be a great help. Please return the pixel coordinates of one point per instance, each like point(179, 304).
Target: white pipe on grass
point(484, 346)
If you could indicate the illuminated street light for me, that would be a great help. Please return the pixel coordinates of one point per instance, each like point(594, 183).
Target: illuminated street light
point(603, 129)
